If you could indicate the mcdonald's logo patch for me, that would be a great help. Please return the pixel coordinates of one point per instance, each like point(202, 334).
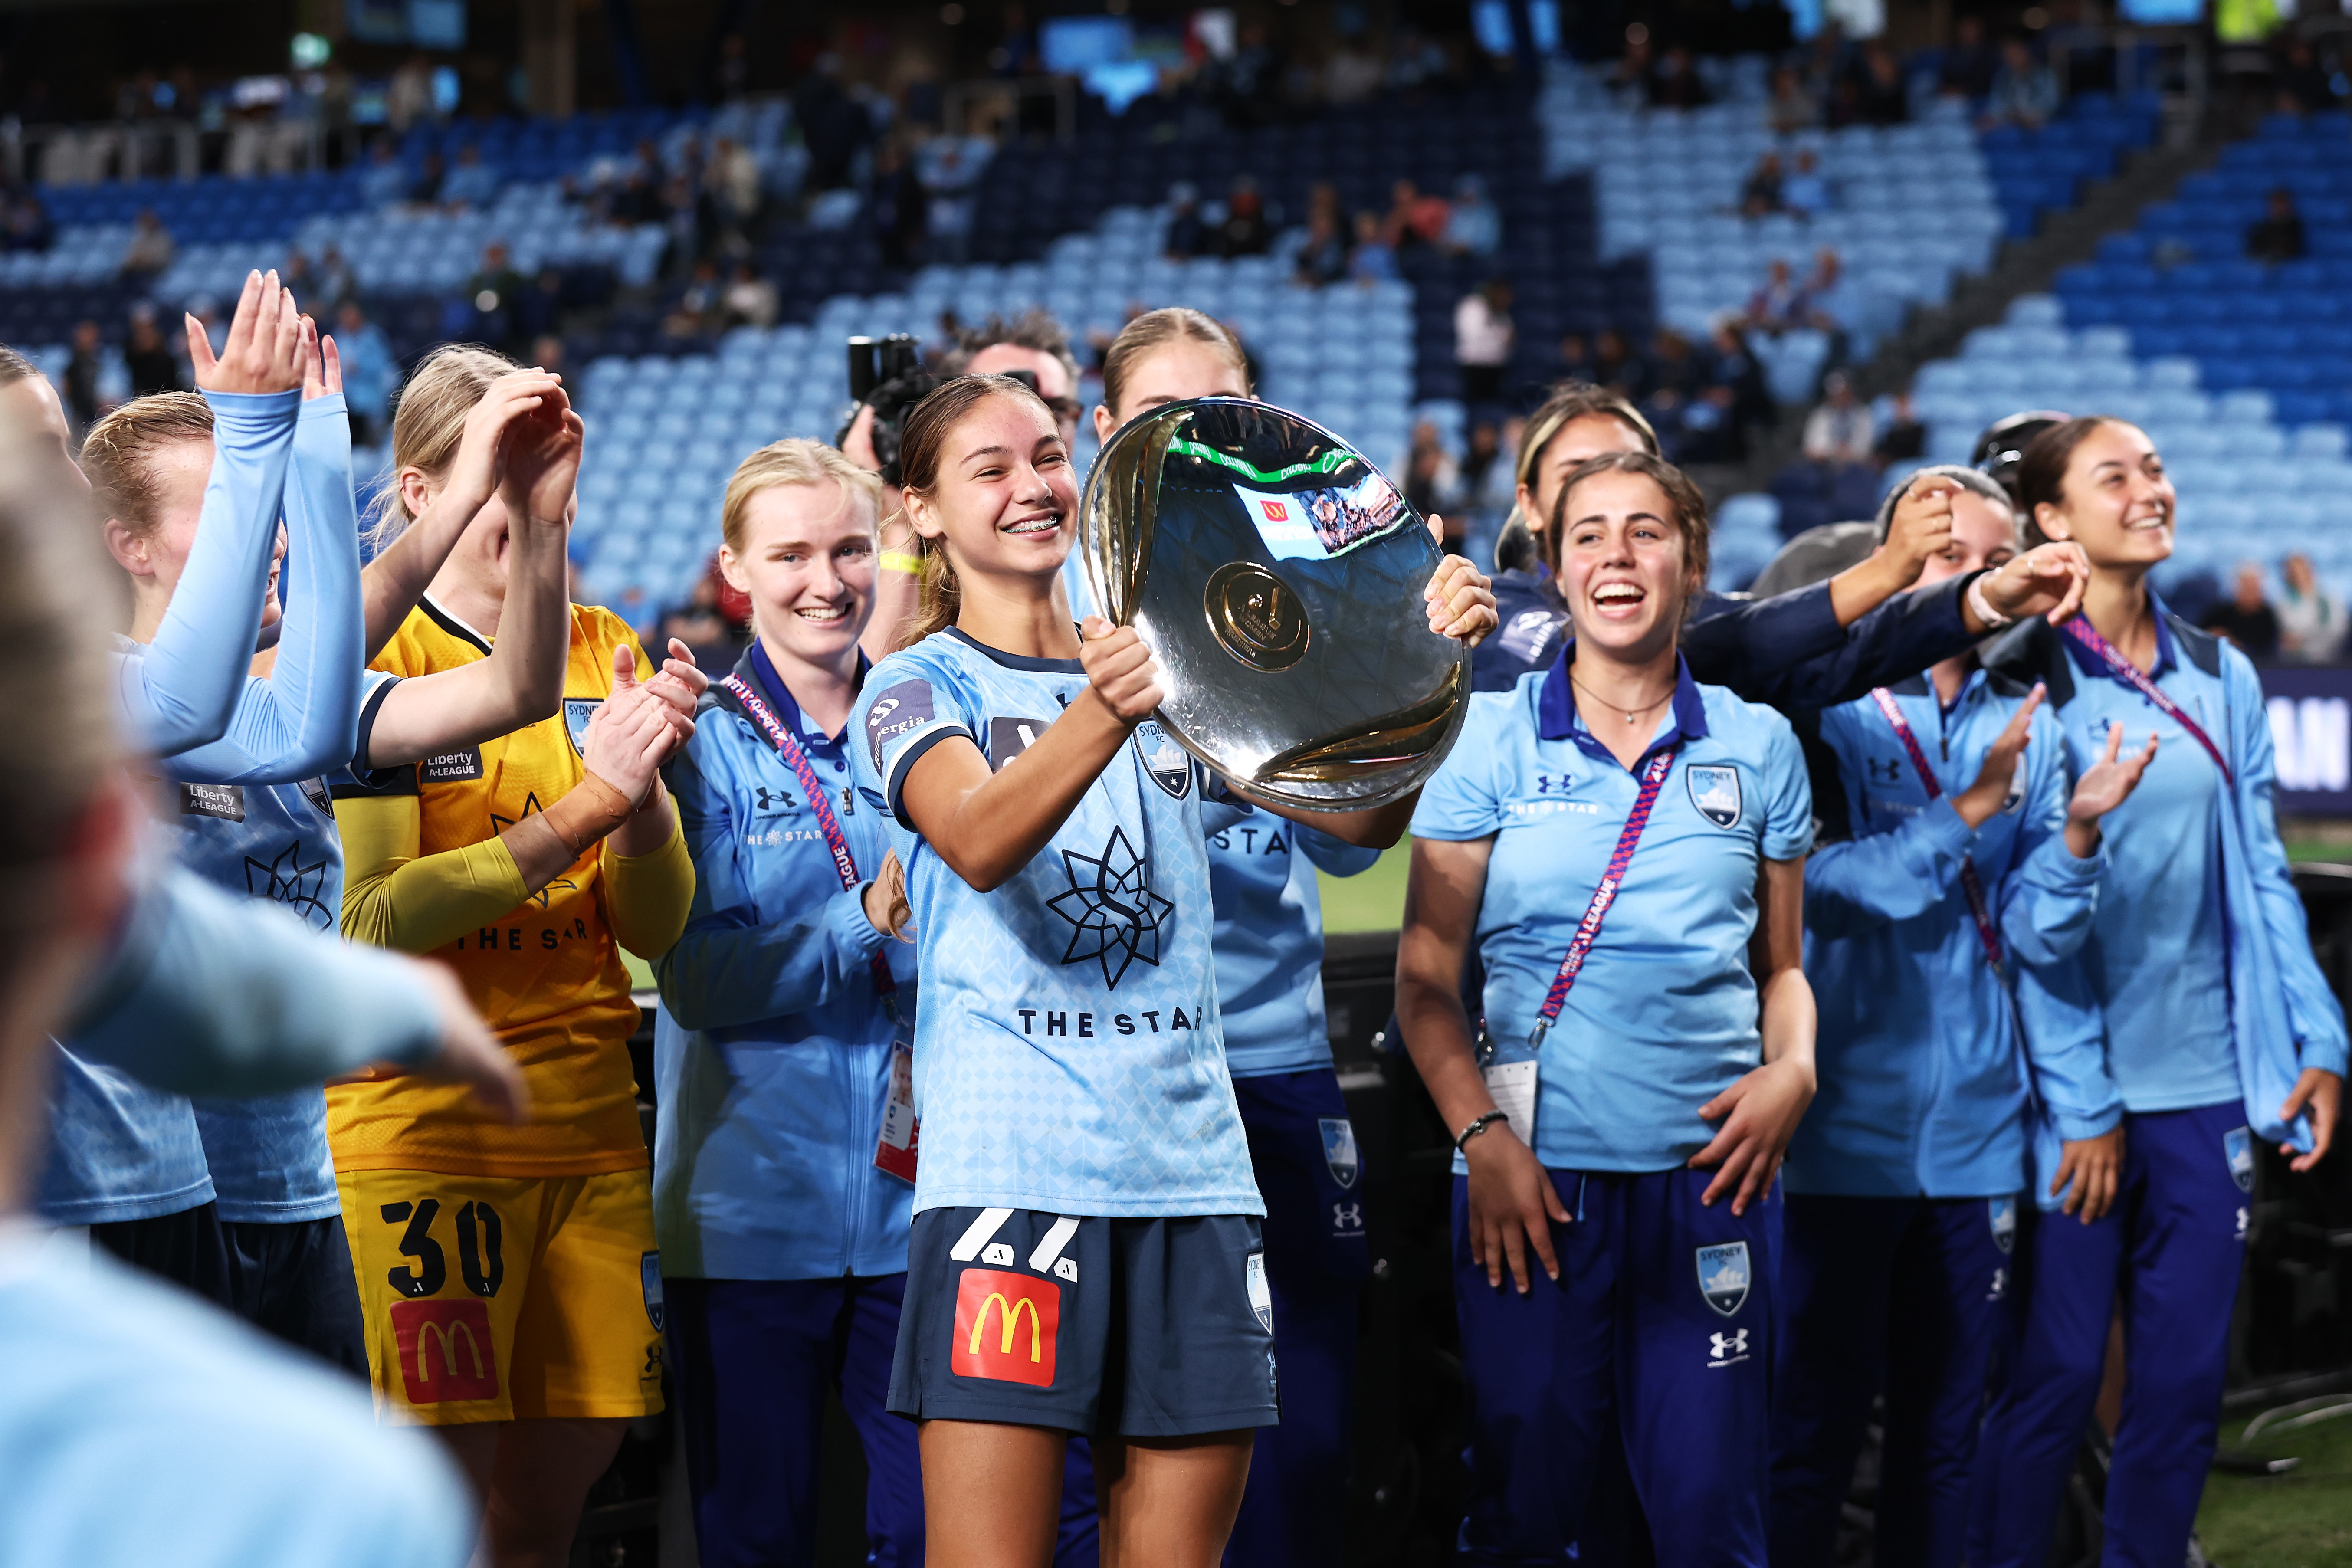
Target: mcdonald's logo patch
point(1276, 512)
point(446, 1351)
point(1005, 1327)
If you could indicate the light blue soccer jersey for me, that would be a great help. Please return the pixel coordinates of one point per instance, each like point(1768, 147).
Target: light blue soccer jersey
point(1269, 941)
point(268, 1155)
point(139, 1425)
point(1068, 1055)
point(118, 1150)
point(1663, 1014)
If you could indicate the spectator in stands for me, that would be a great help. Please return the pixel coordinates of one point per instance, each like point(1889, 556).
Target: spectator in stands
point(1967, 70)
point(383, 182)
point(1675, 83)
point(472, 183)
point(1431, 481)
point(2277, 234)
point(151, 248)
point(950, 172)
point(81, 373)
point(1905, 439)
point(1187, 236)
point(1737, 372)
point(425, 187)
point(1483, 334)
point(1761, 193)
point(1791, 108)
point(25, 222)
point(1414, 218)
point(539, 305)
point(1373, 258)
point(147, 358)
point(333, 282)
point(897, 205)
point(496, 277)
point(732, 176)
point(701, 308)
point(369, 374)
point(2246, 617)
point(409, 96)
point(2024, 91)
point(2310, 619)
point(2305, 84)
point(1473, 227)
point(1616, 367)
point(1806, 191)
point(1841, 433)
point(1246, 231)
point(750, 300)
point(1630, 77)
point(1575, 360)
point(1777, 303)
point(1324, 257)
point(1881, 96)
point(1828, 299)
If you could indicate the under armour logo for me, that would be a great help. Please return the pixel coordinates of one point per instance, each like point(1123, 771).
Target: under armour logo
point(1999, 1285)
point(1726, 1348)
point(773, 799)
point(1883, 769)
point(1346, 1217)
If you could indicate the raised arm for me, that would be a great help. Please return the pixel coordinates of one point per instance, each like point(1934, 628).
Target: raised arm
point(535, 440)
point(397, 577)
point(302, 719)
point(181, 689)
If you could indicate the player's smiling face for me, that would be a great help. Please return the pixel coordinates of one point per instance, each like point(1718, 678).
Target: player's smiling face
point(1005, 501)
point(2115, 501)
point(808, 564)
point(1622, 567)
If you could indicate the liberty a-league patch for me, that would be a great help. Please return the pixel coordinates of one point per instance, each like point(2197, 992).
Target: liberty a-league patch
point(1722, 1277)
point(1340, 1149)
point(895, 713)
point(577, 711)
point(452, 767)
point(1008, 738)
point(1169, 765)
point(649, 1267)
point(1261, 1299)
point(1715, 789)
point(2240, 1147)
point(226, 802)
point(2002, 1213)
point(315, 792)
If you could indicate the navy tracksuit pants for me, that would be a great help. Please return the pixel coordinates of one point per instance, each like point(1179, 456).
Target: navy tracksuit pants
point(2170, 1253)
point(1907, 1295)
point(1294, 1512)
point(1657, 1329)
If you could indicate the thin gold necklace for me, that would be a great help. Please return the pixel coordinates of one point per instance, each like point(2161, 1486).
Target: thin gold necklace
point(1632, 716)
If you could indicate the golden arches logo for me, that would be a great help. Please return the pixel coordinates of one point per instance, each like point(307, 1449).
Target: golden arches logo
point(1013, 1310)
point(433, 1333)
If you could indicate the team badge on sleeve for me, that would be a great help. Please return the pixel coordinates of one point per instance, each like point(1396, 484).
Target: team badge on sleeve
point(1340, 1149)
point(1715, 789)
point(577, 711)
point(1722, 1277)
point(2002, 1212)
point(2240, 1147)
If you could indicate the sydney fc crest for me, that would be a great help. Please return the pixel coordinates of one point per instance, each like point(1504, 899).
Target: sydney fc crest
point(1722, 1276)
point(2002, 1212)
point(649, 1269)
point(1716, 792)
point(1169, 765)
point(577, 711)
point(2240, 1147)
point(1340, 1149)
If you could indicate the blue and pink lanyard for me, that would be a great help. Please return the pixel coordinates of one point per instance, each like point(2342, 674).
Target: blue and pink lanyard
point(1972, 884)
point(2124, 669)
point(1588, 930)
point(844, 865)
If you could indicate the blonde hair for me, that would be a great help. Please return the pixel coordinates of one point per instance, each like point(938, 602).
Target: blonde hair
point(795, 460)
point(922, 446)
point(427, 424)
point(1169, 324)
point(119, 454)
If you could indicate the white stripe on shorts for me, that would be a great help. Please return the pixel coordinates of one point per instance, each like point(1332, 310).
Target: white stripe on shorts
point(967, 1245)
point(1049, 1247)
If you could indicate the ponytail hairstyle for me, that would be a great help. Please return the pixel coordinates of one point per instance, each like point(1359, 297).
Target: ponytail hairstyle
point(1149, 331)
point(1689, 502)
point(922, 446)
point(119, 452)
point(2041, 478)
point(427, 424)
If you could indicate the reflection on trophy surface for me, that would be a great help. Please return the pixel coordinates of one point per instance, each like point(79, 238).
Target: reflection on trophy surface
point(1278, 575)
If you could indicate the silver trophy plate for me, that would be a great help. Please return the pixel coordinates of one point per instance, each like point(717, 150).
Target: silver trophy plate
point(1278, 575)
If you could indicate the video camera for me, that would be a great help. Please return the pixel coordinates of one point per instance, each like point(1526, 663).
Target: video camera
point(887, 375)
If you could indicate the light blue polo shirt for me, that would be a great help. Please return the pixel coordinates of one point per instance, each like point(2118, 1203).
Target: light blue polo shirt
point(2160, 949)
point(1662, 1016)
